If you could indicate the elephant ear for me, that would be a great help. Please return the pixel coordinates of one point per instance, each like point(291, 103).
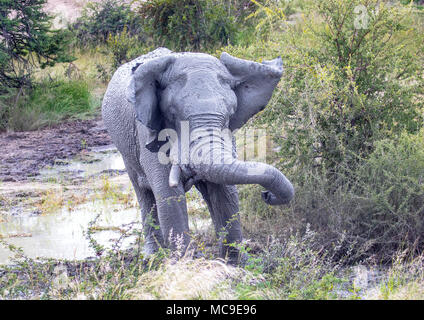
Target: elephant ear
point(255, 84)
point(143, 94)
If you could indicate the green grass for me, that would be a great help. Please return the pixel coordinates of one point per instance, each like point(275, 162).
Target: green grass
point(62, 97)
point(49, 103)
point(65, 91)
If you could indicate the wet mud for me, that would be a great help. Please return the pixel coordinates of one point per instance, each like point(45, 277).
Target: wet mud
point(24, 154)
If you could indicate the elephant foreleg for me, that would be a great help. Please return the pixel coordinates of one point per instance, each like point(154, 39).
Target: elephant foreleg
point(172, 215)
point(152, 234)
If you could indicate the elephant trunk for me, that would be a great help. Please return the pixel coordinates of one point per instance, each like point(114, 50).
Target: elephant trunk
point(217, 163)
point(279, 189)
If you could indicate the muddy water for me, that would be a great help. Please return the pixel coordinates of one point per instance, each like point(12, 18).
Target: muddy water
point(101, 159)
point(62, 234)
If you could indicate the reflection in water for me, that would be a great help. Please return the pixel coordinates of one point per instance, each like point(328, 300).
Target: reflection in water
point(101, 162)
point(108, 162)
point(62, 235)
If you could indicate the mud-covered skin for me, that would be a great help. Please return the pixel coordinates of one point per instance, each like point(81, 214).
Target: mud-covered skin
point(161, 90)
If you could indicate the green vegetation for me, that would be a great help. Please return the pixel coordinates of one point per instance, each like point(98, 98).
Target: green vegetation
point(99, 20)
point(27, 41)
point(347, 118)
point(48, 103)
point(289, 270)
point(194, 24)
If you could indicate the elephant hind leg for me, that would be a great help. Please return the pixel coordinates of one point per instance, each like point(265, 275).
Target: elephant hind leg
point(153, 238)
point(222, 201)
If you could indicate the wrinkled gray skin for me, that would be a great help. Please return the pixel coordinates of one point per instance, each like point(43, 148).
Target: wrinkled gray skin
point(162, 88)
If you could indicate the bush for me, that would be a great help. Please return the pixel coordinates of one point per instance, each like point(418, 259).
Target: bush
point(27, 42)
point(101, 19)
point(8, 98)
point(62, 97)
point(343, 88)
point(48, 103)
point(352, 87)
point(378, 208)
point(295, 271)
point(390, 185)
point(348, 95)
point(368, 214)
point(270, 16)
point(193, 24)
point(124, 48)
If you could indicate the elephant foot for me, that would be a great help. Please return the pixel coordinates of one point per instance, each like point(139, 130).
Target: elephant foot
point(150, 247)
point(234, 256)
point(148, 251)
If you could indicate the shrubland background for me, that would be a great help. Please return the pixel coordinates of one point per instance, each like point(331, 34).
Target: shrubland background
point(346, 118)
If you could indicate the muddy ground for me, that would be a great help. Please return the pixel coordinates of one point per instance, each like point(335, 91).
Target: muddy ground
point(57, 182)
point(23, 154)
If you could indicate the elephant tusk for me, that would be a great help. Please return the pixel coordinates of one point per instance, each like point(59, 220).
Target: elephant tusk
point(174, 176)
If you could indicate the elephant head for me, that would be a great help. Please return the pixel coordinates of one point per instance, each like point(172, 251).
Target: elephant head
point(209, 95)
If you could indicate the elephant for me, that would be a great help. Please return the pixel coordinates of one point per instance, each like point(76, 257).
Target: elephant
point(165, 90)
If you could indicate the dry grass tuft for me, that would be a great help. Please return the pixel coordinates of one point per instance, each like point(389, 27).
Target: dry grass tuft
point(51, 200)
point(109, 190)
point(410, 291)
point(188, 279)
